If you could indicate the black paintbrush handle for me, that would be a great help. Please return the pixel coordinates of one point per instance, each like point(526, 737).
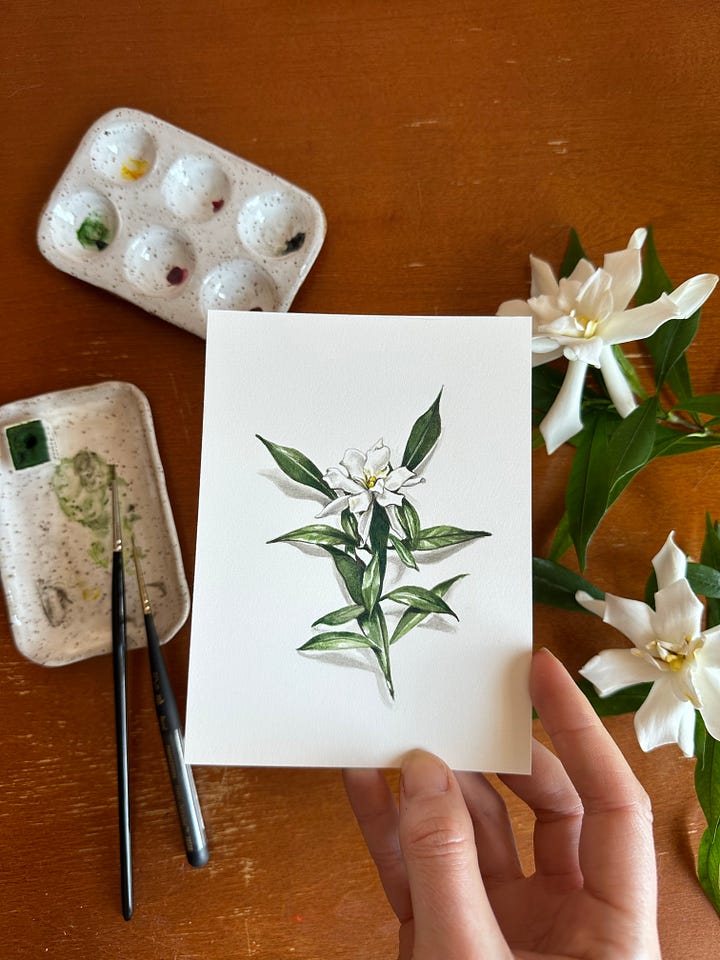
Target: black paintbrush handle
point(121, 730)
point(181, 776)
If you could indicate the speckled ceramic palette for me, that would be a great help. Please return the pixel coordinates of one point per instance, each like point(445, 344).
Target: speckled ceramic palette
point(55, 521)
point(177, 225)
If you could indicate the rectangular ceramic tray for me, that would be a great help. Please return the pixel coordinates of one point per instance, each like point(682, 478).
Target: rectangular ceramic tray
point(177, 225)
point(55, 521)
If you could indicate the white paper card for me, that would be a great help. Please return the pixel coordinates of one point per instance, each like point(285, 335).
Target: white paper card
point(363, 399)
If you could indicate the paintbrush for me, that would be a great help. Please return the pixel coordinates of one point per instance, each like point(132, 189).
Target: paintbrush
point(119, 651)
point(181, 775)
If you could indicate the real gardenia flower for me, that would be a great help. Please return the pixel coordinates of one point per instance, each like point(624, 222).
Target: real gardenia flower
point(671, 651)
point(364, 479)
point(580, 317)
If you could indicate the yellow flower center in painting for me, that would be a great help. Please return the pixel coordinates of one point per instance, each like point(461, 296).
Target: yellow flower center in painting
point(370, 482)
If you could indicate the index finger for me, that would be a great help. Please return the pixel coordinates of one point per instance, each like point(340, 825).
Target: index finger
point(616, 844)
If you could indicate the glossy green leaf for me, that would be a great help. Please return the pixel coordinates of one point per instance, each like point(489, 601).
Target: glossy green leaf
point(423, 436)
point(411, 618)
point(433, 538)
point(562, 541)
point(669, 442)
point(340, 616)
point(710, 556)
point(298, 467)
point(704, 580)
point(629, 371)
point(546, 383)
point(627, 700)
point(349, 525)
point(351, 569)
point(707, 788)
point(421, 599)
point(556, 586)
point(371, 583)
point(403, 552)
point(573, 254)
point(319, 534)
point(708, 403)
point(631, 446)
point(588, 484)
point(336, 640)
point(409, 519)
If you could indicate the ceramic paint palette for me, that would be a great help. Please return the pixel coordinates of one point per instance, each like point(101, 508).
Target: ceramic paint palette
point(56, 451)
point(177, 225)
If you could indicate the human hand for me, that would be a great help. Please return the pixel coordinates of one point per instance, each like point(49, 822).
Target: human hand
point(450, 869)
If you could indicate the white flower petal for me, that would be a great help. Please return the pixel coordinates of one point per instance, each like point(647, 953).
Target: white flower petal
point(545, 351)
point(354, 462)
point(692, 294)
point(335, 506)
point(709, 656)
point(638, 323)
point(631, 617)
point(611, 670)
point(361, 502)
point(664, 719)
point(339, 480)
point(562, 420)
point(582, 271)
point(590, 603)
point(401, 477)
point(377, 460)
point(514, 308)
point(594, 299)
point(638, 238)
point(708, 687)
point(625, 268)
point(587, 350)
point(395, 524)
point(364, 521)
point(617, 386)
point(678, 613)
point(670, 563)
point(542, 282)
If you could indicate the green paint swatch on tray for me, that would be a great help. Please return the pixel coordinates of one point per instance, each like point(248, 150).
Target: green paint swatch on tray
point(28, 444)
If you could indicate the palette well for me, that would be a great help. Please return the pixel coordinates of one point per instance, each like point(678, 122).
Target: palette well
point(56, 451)
point(177, 225)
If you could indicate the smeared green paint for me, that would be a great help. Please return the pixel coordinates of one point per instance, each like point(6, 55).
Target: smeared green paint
point(82, 487)
point(94, 232)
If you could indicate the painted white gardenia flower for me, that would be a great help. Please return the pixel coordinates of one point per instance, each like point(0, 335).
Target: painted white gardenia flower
point(670, 650)
point(582, 316)
point(363, 479)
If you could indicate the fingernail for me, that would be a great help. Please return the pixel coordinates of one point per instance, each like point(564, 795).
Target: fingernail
point(422, 773)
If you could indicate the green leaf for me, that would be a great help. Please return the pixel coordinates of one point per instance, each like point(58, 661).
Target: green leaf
point(411, 618)
point(403, 552)
point(710, 556)
point(556, 586)
point(624, 701)
point(376, 628)
point(668, 344)
point(629, 371)
point(708, 403)
point(336, 640)
point(669, 442)
point(433, 538)
point(573, 254)
point(420, 599)
point(351, 569)
point(423, 436)
point(705, 581)
point(297, 466)
point(631, 446)
point(562, 541)
point(371, 583)
point(319, 534)
point(586, 495)
point(409, 519)
point(707, 788)
point(546, 383)
point(349, 525)
point(342, 615)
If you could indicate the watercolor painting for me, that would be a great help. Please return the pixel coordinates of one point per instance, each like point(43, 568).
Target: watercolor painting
point(369, 498)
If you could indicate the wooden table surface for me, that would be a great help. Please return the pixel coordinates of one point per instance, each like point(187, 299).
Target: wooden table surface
point(445, 142)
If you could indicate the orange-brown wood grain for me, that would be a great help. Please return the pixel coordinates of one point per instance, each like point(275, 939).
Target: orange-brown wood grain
point(445, 142)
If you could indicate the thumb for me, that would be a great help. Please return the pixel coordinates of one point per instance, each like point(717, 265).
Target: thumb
point(452, 916)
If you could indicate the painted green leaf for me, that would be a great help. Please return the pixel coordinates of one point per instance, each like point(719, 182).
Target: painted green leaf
point(342, 615)
point(411, 618)
point(336, 640)
point(668, 344)
point(316, 533)
point(349, 525)
point(587, 487)
point(371, 583)
point(403, 552)
point(375, 627)
point(423, 436)
point(556, 586)
point(351, 569)
point(420, 599)
point(708, 403)
point(298, 467)
point(574, 253)
point(707, 788)
point(409, 519)
point(433, 538)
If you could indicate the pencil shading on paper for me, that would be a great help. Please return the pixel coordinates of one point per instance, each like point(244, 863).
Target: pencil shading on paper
point(373, 520)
